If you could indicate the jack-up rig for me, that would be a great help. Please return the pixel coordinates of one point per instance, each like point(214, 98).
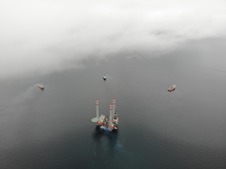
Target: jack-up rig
point(104, 122)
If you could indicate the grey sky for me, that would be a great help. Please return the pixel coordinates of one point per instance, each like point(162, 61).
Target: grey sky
point(40, 35)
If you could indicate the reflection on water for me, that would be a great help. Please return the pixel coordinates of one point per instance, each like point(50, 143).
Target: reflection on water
point(105, 141)
point(105, 148)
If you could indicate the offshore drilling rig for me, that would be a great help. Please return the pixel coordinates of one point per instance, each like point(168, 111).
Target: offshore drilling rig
point(107, 122)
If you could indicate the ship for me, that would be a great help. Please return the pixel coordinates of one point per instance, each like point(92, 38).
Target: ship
point(172, 88)
point(40, 86)
point(104, 77)
point(106, 122)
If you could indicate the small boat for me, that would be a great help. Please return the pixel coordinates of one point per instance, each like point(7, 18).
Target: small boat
point(172, 88)
point(104, 77)
point(40, 86)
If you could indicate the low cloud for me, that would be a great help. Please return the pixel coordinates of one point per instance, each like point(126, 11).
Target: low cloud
point(43, 35)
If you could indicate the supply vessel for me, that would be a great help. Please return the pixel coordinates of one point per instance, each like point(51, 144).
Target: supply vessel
point(172, 88)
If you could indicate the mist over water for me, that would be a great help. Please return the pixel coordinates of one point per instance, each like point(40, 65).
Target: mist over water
point(158, 129)
point(47, 36)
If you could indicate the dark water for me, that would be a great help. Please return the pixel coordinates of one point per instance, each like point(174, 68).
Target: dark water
point(51, 129)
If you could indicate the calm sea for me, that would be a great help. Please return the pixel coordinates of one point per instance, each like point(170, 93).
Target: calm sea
point(185, 129)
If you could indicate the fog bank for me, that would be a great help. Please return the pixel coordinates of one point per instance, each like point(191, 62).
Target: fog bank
point(46, 36)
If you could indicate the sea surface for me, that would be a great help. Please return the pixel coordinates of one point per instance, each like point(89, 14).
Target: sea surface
point(184, 129)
